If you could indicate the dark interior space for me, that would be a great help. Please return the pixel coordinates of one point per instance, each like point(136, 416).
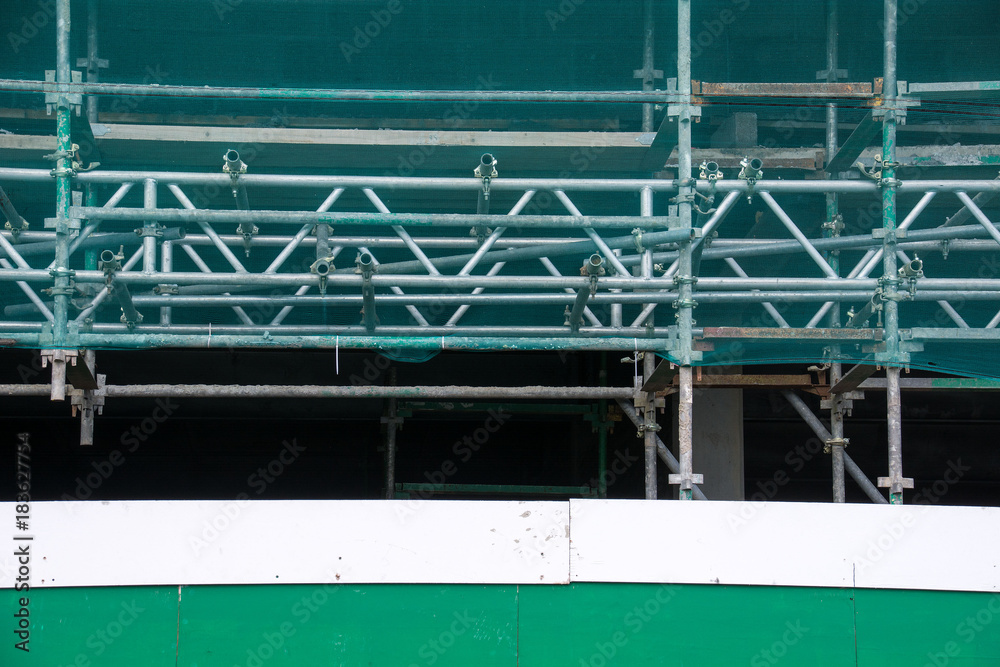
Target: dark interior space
point(205, 448)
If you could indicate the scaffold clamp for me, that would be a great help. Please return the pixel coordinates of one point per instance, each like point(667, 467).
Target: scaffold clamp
point(835, 442)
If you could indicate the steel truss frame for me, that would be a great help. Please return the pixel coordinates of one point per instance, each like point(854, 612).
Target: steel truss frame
point(602, 292)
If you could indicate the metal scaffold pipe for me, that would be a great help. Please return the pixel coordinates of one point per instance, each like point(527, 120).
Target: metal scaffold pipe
point(250, 280)
point(376, 219)
point(564, 299)
point(569, 247)
point(518, 339)
point(824, 434)
point(346, 391)
point(335, 95)
point(649, 428)
point(662, 450)
point(894, 418)
point(96, 241)
point(894, 356)
point(9, 212)
point(117, 177)
point(63, 173)
point(647, 73)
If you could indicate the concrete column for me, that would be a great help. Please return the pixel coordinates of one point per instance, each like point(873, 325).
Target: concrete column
point(718, 438)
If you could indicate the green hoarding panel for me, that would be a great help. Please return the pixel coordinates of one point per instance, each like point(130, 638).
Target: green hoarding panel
point(94, 627)
point(390, 625)
point(580, 625)
point(927, 628)
point(592, 625)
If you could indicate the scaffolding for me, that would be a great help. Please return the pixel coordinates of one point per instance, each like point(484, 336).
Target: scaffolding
point(514, 275)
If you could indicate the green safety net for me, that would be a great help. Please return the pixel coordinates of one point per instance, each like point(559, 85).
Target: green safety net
point(408, 48)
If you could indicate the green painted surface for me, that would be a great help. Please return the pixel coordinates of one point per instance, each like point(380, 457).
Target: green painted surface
point(405, 489)
point(324, 625)
point(696, 626)
point(94, 627)
point(964, 383)
point(579, 625)
point(927, 628)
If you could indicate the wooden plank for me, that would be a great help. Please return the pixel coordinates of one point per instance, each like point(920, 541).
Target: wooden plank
point(662, 145)
point(734, 381)
point(83, 136)
point(282, 119)
point(80, 376)
point(662, 377)
point(818, 90)
point(806, 159)
point(397, 152)
point(852, 378)
point(859, 140)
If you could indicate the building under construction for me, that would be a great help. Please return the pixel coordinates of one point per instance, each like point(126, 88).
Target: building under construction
point(583, 332)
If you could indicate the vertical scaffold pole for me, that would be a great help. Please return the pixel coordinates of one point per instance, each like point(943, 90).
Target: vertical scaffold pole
point(166, 266)
point(391, 420)
point(647, 73)
point(888, 184)
point(603, 424)
point(63, 172)
point(648, 431)
point(832, 228)
point(64, 175)
point(649, 365)
point(893, 355)
point(94, 63)
point(833, 225)
point(646, 271)
point(685, 278)
point(149, 228)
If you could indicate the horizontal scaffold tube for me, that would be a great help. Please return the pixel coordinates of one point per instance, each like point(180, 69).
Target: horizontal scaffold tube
point(969, 239)
point(393, 344)
point(353, 218)
point(353, 280)
point(733, 249)
point(504, 282)
point(96, 241)
point(500, 184)
point(823, 297)
point(217, 301)
point(576, 246)
point(272, 240)
point(340, 95)
point(432, 333)
point(343, 391)
point(402, 300)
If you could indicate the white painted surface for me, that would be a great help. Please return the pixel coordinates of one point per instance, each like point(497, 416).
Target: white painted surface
point(786, 544)
point(353, 542)
point(285, 542)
